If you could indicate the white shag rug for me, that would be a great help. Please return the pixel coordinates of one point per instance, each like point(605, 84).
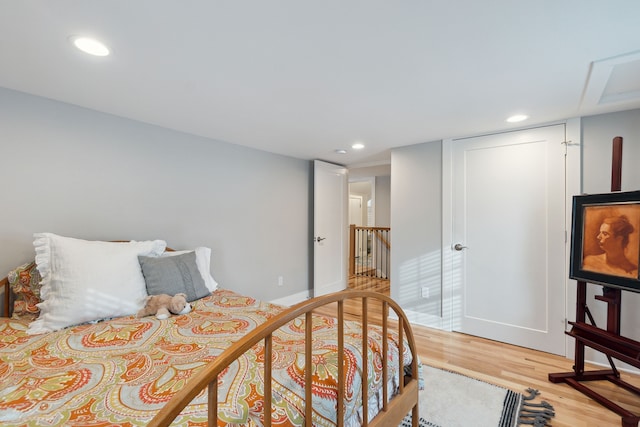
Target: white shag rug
point(450, 399)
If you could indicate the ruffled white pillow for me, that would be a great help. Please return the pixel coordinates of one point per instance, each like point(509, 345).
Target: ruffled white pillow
point(83, 280)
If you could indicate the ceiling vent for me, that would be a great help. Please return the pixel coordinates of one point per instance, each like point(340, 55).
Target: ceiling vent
point(613, 82)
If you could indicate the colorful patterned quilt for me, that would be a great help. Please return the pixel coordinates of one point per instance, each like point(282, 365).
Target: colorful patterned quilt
point(119, 372)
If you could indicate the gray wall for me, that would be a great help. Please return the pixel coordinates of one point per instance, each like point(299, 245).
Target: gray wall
point(597, 134)
point(416, 226)
point(89, 175)
point(383, 201)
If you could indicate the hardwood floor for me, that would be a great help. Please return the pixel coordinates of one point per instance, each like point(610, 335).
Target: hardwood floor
point(369, 284)
point(515, 368)
point(518, 368)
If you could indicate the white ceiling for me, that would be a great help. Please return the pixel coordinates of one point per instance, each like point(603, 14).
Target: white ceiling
point(303, 78)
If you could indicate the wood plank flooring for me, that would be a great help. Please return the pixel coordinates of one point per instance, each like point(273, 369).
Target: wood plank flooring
point(515, 368)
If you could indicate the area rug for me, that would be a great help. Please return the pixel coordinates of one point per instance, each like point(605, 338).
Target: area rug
point(450, 399)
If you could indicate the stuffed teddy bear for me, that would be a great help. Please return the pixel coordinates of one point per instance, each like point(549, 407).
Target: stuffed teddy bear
point(163, 305)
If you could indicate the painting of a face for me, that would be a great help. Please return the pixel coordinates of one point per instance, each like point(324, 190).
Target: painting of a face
point(606, 239)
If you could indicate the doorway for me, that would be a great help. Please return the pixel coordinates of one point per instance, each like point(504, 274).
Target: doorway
point(362, 192)
point(369, 249)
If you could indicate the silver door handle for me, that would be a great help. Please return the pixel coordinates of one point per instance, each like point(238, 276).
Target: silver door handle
point(319, 239)
point(459, 247)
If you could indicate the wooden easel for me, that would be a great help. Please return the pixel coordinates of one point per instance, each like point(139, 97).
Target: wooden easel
point(607, 341)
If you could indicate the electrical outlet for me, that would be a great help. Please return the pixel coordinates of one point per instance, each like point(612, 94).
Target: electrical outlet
point(280, 281)
point(425, 292)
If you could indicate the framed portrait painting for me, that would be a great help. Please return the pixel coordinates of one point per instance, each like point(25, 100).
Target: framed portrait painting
point(605, 243)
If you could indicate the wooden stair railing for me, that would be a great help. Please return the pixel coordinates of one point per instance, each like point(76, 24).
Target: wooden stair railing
point(379, 265)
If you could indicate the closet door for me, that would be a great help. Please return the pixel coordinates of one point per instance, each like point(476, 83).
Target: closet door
point(509, 237)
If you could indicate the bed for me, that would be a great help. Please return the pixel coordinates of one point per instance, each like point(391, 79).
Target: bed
point(221, 364)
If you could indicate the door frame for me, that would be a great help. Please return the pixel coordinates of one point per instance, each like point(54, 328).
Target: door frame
point(573, 159)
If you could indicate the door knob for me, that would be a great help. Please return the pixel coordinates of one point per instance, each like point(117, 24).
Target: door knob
point(459, 247)
point(319, 239)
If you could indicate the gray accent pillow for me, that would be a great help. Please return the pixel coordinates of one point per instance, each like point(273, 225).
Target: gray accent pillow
point(173, 275)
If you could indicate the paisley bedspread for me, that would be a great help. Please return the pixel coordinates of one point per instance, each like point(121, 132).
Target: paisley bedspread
point(121, 371)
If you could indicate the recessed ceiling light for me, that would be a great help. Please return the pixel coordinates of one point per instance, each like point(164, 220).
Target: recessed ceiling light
point(517, 118)
point(341, 151)
point(358, 146)
point(90, 46)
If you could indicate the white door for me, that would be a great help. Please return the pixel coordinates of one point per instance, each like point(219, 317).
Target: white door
point(355, 209)
point(509, 228)
point(330, 228)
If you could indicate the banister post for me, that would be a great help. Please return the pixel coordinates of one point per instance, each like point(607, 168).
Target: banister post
point(352, 250)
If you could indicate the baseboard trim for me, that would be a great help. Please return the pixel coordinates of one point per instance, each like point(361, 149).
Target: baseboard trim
point(290, 300)
point(427, 320)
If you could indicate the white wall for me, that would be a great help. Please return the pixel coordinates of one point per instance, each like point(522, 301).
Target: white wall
point(85, 174)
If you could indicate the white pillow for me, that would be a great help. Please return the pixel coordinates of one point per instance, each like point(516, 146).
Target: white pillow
point(203, 261)
point(86, 280)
